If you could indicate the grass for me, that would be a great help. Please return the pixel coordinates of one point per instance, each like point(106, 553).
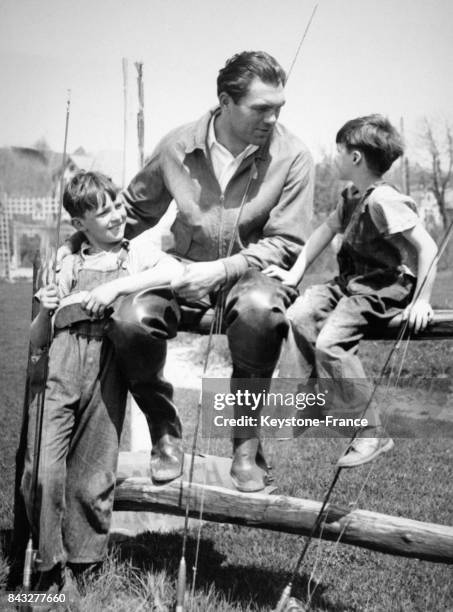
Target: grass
point(244, 569)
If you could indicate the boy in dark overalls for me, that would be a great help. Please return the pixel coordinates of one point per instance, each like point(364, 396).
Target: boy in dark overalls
point(385, 260)
point(85, 393)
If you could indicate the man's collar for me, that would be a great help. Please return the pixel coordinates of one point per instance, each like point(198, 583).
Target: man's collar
point(200, 137)
point(211, 138)
point(212, 141)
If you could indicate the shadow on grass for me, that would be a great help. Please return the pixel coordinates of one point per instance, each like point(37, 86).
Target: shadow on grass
point(6, 536)
point(241, 585)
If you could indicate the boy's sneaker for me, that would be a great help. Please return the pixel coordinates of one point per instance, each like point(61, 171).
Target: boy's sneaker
point(363, 450)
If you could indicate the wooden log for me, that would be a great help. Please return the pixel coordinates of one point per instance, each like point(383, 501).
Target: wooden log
point(441, 327)
point(372, 530)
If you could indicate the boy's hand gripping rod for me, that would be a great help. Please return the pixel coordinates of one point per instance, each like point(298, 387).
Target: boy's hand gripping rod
point(30, 552)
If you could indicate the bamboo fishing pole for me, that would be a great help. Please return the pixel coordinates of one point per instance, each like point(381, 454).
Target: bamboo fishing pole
point(21, 522)
point(31, 550)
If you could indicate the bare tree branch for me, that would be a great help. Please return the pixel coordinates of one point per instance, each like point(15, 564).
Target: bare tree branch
point(449, 153)
point(440, 148)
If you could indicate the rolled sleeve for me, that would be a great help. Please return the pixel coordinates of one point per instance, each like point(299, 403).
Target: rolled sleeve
point(146, 198)
point(339, 218)
point(391, 211)
point(235, 266)
point(143, 254)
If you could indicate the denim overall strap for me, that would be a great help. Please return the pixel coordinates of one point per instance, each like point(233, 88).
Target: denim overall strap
point(86, 279)
point(368, 262)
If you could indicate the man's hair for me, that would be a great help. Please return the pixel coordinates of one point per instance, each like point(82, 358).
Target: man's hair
point(235, 78)
point(376, 138)
point(86, 191)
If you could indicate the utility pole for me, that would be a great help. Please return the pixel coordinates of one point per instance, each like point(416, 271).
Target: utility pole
point(5, 251)
point(140, 115)
point(404, 165)
point(123, 175)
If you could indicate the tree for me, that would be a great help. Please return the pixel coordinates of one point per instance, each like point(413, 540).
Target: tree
point(28, 246)
point(439, 143)
point(42, 145)
point(327, 187)
point(327, 191)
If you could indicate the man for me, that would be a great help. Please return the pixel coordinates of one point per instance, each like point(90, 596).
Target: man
point(243, 187)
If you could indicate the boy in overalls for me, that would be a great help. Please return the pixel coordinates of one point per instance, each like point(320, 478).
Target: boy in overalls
point(85, 392)
point(385, 268)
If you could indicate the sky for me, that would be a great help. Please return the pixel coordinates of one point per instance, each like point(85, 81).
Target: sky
point(360, 56)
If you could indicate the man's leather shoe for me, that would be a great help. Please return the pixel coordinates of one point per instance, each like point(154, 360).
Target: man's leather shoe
point(364, 450)
point(167, 458)
point(246, 475)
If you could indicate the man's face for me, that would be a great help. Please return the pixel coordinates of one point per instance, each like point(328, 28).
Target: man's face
point(105, 226)
point(252, 118)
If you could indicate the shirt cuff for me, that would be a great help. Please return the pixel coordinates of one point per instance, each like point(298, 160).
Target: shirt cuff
point(235, 266)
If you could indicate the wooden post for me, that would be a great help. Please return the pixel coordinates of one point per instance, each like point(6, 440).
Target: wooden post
point(123, 175)
point(404, 163)
point(140, 115)
point(407, 176)
point(372, 530)
point(5, 250)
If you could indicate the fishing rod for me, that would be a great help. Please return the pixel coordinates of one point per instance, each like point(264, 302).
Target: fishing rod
point(286, 593)
point(218, 313)
point(304, 35)
point(21, 522)
point(182, 570)
point(31, 551)
point(215, 327)
point(403, 330)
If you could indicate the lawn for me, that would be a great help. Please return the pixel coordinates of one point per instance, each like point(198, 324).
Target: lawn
point(245, 569)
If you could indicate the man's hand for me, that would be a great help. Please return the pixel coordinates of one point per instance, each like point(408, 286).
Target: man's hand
point(419, 314)
point(48, 298)
point(285, 276)
point(198, 279)
point(96, 301)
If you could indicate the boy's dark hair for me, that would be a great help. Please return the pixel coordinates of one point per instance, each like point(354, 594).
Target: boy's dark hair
point(235, 78)
point(86, 191)
point(376, 138)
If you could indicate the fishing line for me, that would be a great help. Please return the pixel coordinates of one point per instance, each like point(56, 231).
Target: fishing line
point(304, 35)
point(216, 323)
point(30, 553)
point(219, 307)
point(396, 345)
point(372, 466)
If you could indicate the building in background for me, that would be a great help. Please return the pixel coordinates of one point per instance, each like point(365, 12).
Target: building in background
point(30, 181)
